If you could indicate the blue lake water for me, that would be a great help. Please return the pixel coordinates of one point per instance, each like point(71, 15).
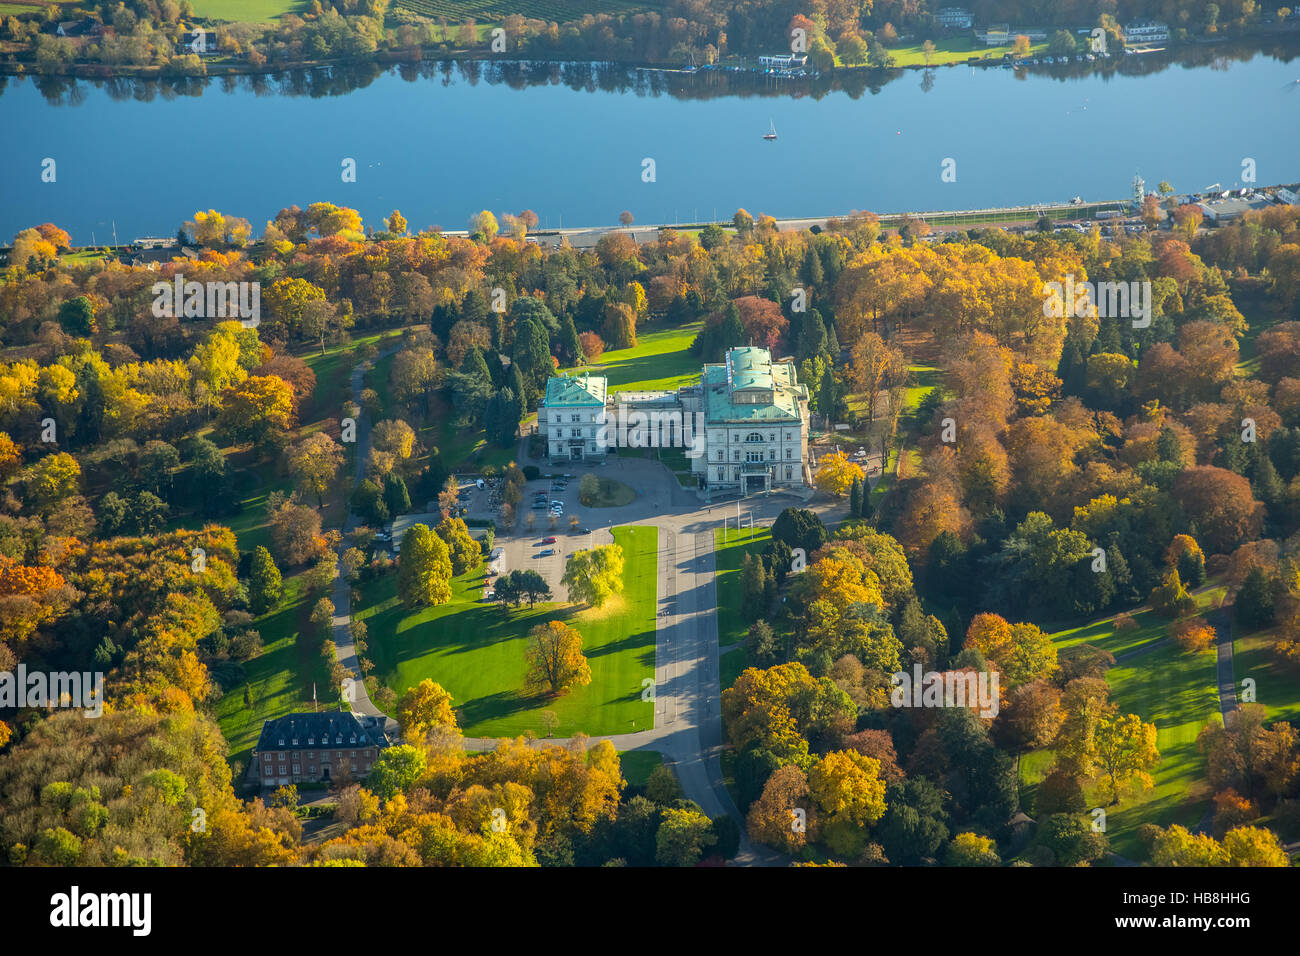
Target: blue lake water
point(441, 146)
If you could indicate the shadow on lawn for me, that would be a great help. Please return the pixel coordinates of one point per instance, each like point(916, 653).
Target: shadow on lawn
point(498, 705)
point(650, 368)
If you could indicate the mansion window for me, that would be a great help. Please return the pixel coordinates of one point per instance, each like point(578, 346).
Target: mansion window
point(754, 456)
point(753, 437)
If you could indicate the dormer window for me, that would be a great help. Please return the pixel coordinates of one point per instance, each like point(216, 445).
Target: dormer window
point(295, 741)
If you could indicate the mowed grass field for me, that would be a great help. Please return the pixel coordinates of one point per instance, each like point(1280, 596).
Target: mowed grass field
point(1176, 691)
point(560, 11)
point(280, 678)
point(1277, 686)
point(729, 555)
point(956, 50)
point(659, 360)
point(476, 651)
point(247, 11)
point(1164, 685)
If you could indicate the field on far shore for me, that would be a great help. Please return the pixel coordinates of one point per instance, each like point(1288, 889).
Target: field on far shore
point(246, 11)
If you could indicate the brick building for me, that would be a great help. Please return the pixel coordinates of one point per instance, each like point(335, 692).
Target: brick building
point(317, 747)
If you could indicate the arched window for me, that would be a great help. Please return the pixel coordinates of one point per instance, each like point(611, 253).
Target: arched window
point(753, 437)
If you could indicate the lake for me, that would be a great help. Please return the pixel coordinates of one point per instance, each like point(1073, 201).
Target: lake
point(441, 141)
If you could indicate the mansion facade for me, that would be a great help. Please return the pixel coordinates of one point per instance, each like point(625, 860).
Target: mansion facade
point(744, 426)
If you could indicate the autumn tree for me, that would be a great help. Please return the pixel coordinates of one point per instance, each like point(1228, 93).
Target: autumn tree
point(850, 796)
point(315, 462)
point(555, 659)
point(464, 550)
point(594, 575)
point(424, 568)
point(423, 708)
point(295, 532)
point(1221, 504)
point(259, 410)
point(1022, 651)
point(836, 474)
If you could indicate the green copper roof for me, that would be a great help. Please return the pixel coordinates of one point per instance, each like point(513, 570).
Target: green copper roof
point(575, 390)
point(749, 386)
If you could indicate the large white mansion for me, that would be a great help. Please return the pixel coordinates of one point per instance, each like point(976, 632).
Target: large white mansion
point(744, 426)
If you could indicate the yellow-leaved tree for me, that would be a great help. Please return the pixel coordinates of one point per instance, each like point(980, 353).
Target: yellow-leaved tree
point(555, 659)
point(595, 575)
point(836, 474)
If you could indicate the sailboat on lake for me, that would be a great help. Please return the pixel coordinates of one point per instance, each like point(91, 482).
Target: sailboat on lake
point(771, 134)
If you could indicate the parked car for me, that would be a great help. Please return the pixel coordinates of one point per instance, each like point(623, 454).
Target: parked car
point(546, 553)
point(548, 541)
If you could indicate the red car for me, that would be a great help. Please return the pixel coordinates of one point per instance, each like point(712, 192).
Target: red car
point(548, 541)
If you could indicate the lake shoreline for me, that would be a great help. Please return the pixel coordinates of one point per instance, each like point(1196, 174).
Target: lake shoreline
point(1254, 43)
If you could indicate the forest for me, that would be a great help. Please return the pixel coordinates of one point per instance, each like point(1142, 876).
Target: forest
point(170, 485)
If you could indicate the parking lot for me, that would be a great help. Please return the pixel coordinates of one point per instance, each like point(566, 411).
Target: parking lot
point(549, 506)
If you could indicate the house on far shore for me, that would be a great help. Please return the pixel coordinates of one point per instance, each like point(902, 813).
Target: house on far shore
point(783, 61)
point(316, 748)
point(954, 18)
point(997, 34)
point(202, 42)
point(85, 27)
point(1145, 31)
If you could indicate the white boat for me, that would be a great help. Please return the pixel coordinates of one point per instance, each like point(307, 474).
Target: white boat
point(771, 134)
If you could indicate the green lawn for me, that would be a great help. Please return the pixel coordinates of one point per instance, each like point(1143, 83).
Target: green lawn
point(729, 555)
point(1151, 626)
point(1169, 687)
point(281, 677)
point(956, 50)
point(476, 651)
point(659, 360)
point(731, 665)
point(246, 11)
point(925, 379)
point(611, 494)
point(637, 765)
point(1177, 691)
point(1276, 687)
